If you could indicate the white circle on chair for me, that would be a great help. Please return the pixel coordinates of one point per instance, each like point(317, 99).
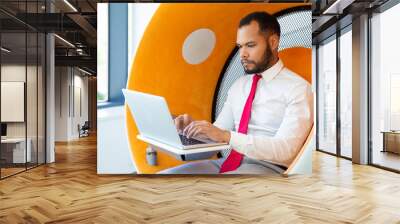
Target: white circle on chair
point(198, 46)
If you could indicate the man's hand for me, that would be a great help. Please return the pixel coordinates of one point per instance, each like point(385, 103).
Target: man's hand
point(182, 121)
point(205, 129)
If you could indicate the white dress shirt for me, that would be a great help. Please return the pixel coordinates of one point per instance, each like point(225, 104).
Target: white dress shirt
point(281, 115)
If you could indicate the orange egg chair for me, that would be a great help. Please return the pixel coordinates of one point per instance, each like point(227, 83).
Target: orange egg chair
point(159, 68)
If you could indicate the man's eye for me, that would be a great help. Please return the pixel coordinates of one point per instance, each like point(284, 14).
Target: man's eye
point(251, 45)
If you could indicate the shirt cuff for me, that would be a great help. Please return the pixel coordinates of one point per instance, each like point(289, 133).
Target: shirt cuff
point(240, 142)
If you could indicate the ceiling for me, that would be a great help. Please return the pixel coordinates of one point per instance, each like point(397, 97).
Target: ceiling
point(74, 22)
point(332, 15)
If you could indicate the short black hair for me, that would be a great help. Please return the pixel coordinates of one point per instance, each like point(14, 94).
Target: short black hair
point(266, 22)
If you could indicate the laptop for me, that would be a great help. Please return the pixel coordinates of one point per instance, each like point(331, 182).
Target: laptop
point(154, 121)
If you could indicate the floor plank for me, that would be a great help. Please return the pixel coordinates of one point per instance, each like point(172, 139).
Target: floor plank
point(70, 191)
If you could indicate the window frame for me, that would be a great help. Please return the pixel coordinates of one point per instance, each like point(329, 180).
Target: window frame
point(334, 37)
point(379, 10)
point(117, 62)
point(107, 76)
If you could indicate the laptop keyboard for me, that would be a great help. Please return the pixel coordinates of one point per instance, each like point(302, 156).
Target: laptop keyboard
point(189, 141)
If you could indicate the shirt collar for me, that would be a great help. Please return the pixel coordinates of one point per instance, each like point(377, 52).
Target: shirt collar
point(273, 71)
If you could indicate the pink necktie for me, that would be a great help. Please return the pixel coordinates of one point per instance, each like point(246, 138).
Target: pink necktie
point(235, 158)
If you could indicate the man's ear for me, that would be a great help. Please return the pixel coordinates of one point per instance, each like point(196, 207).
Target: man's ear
point(273, 42)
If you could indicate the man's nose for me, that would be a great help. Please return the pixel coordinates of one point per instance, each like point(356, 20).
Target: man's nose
point(243, 54)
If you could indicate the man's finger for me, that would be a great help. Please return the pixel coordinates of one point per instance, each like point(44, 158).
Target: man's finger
point(198, 131)
point(189, 131)
point(188, 128)
point(194, 124)
point(178, 122)
point(195, 128)
point(186, 119)
point(193, 131)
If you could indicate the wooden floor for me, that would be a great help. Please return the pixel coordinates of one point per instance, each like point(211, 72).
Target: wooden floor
point(5, 172)
point(70, 191)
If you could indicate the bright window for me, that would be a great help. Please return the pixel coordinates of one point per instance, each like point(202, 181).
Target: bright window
point(385, 84)
point(327, 96)
point(346, 94)
point(102, 52)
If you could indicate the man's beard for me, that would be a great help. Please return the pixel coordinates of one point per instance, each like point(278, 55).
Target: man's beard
point(260, 66)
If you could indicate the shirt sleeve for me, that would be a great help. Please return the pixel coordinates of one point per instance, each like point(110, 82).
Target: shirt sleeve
point(291, 135)
point(225, 119)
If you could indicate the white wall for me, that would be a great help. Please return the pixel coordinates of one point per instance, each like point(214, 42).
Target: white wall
point(33, 127)
point(61, 103)
point(12, 73)
point(79, 117)
point(69, 82)
point(139, 16)
point(12, 101)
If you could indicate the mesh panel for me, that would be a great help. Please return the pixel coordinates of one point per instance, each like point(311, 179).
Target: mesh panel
point(233, 72)
point(295, 32)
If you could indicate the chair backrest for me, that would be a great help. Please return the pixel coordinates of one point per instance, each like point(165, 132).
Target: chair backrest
point(86, 125)
point(302, 163)
point(298, 59)
point(194, 97)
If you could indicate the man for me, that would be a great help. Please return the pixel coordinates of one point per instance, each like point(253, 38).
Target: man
point(279, 101)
